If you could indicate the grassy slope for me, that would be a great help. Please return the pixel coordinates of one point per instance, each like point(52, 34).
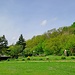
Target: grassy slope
point(37, 68)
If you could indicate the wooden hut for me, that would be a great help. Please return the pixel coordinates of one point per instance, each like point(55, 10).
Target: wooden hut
point(4, 57)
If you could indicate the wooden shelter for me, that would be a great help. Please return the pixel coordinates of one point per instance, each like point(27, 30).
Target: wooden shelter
point(4, 57)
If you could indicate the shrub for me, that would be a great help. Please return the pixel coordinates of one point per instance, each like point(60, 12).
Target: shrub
point(47, 58)
point(41, 59)
point(28, 58)
point(73, 54)
point(72, 58)
point(23, 59)
point(63, 57)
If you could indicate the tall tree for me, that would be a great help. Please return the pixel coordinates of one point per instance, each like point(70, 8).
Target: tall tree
point(3, 43)
point(21, 41)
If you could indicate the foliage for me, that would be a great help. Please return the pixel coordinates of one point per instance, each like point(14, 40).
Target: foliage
point(15, 50)
point(3, 44)
point(21, 41)
point(28, 58)
point(27, 52)
point(63, 58)
point(72, 57)
point(52, 42)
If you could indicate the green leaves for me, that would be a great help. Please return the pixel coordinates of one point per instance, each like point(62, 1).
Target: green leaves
point(54, 41)
point(3, 44)
point(15, 50)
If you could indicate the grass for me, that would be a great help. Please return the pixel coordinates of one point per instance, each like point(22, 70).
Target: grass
point(48, 58)
point(50, 65)
point(36, 68)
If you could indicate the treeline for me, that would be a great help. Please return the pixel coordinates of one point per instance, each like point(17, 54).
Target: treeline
point(14, 51)
point(52, 42)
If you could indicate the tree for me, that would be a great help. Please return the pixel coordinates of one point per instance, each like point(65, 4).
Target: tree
point(21, 41)
point(37, 50)
point(27, 52)
point(73, 25)
point(15, 50)
point(54, 41)
point(3, 43)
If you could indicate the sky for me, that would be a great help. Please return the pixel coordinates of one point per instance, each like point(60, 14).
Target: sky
point(34, 17)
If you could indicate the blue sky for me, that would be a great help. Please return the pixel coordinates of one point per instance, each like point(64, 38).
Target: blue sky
point(34, 17)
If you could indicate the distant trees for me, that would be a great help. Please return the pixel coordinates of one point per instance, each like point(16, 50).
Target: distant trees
point(27, 52)
point(52, 42)
point(17, 49)
point(3, 44)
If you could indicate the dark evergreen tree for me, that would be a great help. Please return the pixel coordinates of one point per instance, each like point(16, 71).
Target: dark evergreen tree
point(21, 41)
point(3, 43)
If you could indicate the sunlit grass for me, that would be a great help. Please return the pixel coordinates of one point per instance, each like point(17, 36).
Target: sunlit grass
point(36, 68)
point(48, 58)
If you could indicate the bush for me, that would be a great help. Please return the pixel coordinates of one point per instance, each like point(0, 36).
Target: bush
point(73, 54)
point(63, 57)
point(72, 58)
point(47, 58)
point(28, 58)
point(23, 59)
point(41, 59)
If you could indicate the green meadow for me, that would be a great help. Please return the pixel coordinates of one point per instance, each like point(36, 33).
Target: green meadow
point(35, 66)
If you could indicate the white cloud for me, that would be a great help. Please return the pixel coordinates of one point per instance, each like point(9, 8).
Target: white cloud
point(44, 23)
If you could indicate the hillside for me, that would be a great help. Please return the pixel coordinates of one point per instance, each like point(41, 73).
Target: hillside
point(53, 42)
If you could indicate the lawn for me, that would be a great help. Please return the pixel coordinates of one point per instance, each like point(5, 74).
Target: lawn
point(36, 68)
